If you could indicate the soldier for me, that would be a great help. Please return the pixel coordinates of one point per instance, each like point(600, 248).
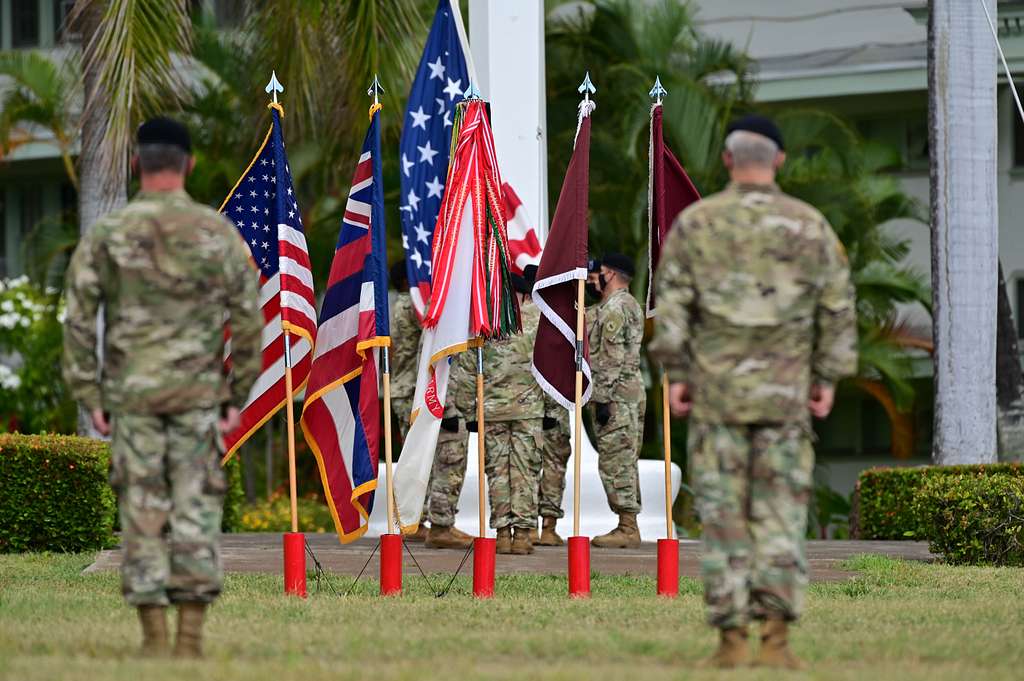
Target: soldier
point(555, 453)
point(449, 470)
point(756, 322)
point(514, 410)
point(618, 396)
point(164, 272)
point(405, 348)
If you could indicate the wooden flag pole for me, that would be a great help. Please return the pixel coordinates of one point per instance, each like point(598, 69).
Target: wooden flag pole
point(290, 410)
point(666, 418)
point(577, 446)
point(389, 484)
point(480, 434)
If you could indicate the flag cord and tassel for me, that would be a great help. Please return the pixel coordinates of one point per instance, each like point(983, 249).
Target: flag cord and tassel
point(294, 541)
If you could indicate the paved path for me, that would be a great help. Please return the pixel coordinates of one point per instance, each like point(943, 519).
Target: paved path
point(262, 553)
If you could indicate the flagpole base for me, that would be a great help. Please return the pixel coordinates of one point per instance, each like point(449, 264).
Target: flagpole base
point(484, 556)
point(295, 564)
point(668, 567)
point(579, 567)
point(391, 565)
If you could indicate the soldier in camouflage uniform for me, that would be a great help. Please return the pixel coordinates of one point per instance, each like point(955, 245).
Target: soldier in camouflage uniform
point(554, 458)
point(618, 396)
point(756, 322)
point(164, 272)
point(405, 348)
point(514, 413)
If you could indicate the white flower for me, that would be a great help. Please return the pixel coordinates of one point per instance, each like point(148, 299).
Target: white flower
point(8, 379)
point(7, 306)
point(9, 320)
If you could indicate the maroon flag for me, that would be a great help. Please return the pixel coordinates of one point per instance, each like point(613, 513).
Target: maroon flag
point(562, 266)
point(669, 192)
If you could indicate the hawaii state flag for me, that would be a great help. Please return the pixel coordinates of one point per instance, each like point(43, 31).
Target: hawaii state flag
point(471, 296)
point(341, 416)
point(669, 192)
point(562, 267)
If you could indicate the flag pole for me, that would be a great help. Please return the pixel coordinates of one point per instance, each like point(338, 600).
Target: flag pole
point(578, 441)
point(290, 410)
point(480, 447)
point(388, 481)
point(668, 548)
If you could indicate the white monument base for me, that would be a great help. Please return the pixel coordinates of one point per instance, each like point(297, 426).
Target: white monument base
point(595, 516)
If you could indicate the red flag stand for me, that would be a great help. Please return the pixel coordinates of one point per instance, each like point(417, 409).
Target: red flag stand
point(579, 547)
point(668, 548)
point(295, 564)
point(294, 541)
point(484, 549)
point(390, 544)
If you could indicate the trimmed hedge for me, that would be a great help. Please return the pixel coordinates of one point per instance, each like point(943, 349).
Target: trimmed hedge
point(54, 494)
point(884, 497)
point(973, 519)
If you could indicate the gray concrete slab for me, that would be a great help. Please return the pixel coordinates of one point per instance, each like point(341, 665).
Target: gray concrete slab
point(262, 553)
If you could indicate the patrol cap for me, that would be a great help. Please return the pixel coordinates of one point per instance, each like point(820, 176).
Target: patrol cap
point(761, 125)
point(593, 265)
point(620, 263)
point(162, 130)
point(524, 283)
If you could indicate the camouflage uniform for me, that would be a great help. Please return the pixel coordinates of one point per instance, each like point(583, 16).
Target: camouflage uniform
point(554, 458)
point(514, 413)
point(166, 272)
point(404, 355)
point(615, 338)
point(755, 303)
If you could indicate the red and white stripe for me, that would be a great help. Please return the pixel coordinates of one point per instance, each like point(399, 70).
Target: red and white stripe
point(524, 246)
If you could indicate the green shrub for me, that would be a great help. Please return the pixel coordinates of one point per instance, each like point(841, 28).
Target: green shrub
point(54, 494)
point(973, 519)
point(884, 497)
point(234, 500)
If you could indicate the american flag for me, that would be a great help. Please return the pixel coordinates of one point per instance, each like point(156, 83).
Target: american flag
point(266, 213)
point(341, 416)
point(440, 82)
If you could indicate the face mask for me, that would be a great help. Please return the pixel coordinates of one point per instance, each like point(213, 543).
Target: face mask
point(602, 282)
point(591, 293)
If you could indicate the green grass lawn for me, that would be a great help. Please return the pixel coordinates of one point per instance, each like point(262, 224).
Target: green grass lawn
point(900, 621)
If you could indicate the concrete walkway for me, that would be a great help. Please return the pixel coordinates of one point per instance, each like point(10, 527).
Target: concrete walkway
point(258, 552)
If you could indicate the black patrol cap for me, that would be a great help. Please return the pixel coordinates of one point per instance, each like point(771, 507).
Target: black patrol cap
point(162, 130)
point(761, 125)
point(619, 262)
point(524, 283)
point(593, 265)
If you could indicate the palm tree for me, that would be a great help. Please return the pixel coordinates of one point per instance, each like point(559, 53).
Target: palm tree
point(38, 107)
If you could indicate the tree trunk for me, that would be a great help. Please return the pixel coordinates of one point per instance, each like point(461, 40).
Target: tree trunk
point(1009, 381)
point(962, 136)
point(102, 189)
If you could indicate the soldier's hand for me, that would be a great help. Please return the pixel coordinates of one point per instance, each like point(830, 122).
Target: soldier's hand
point(822, 397)
point(230, 419)
point(679, 400)
point(100, 422)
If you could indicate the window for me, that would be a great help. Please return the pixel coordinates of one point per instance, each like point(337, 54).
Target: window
point(24, 23)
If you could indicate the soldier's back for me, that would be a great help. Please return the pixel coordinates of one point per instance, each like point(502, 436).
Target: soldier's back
point(758, 261)
point(166, 264)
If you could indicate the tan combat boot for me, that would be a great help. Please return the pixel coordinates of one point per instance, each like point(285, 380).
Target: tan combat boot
point(456, 532)
point(153, 619)
point(775, 650)
point(504, 544)
point(548, 536)
point(190, 630)
point(420, 535)
point(522, 545)
point(625, 536)
point(733, 650)
point(440, 537)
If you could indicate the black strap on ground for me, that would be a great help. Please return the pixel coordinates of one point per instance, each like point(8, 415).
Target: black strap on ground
point(318, 570)
point(433, 590)
point(448, 587)
point(372, 553)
